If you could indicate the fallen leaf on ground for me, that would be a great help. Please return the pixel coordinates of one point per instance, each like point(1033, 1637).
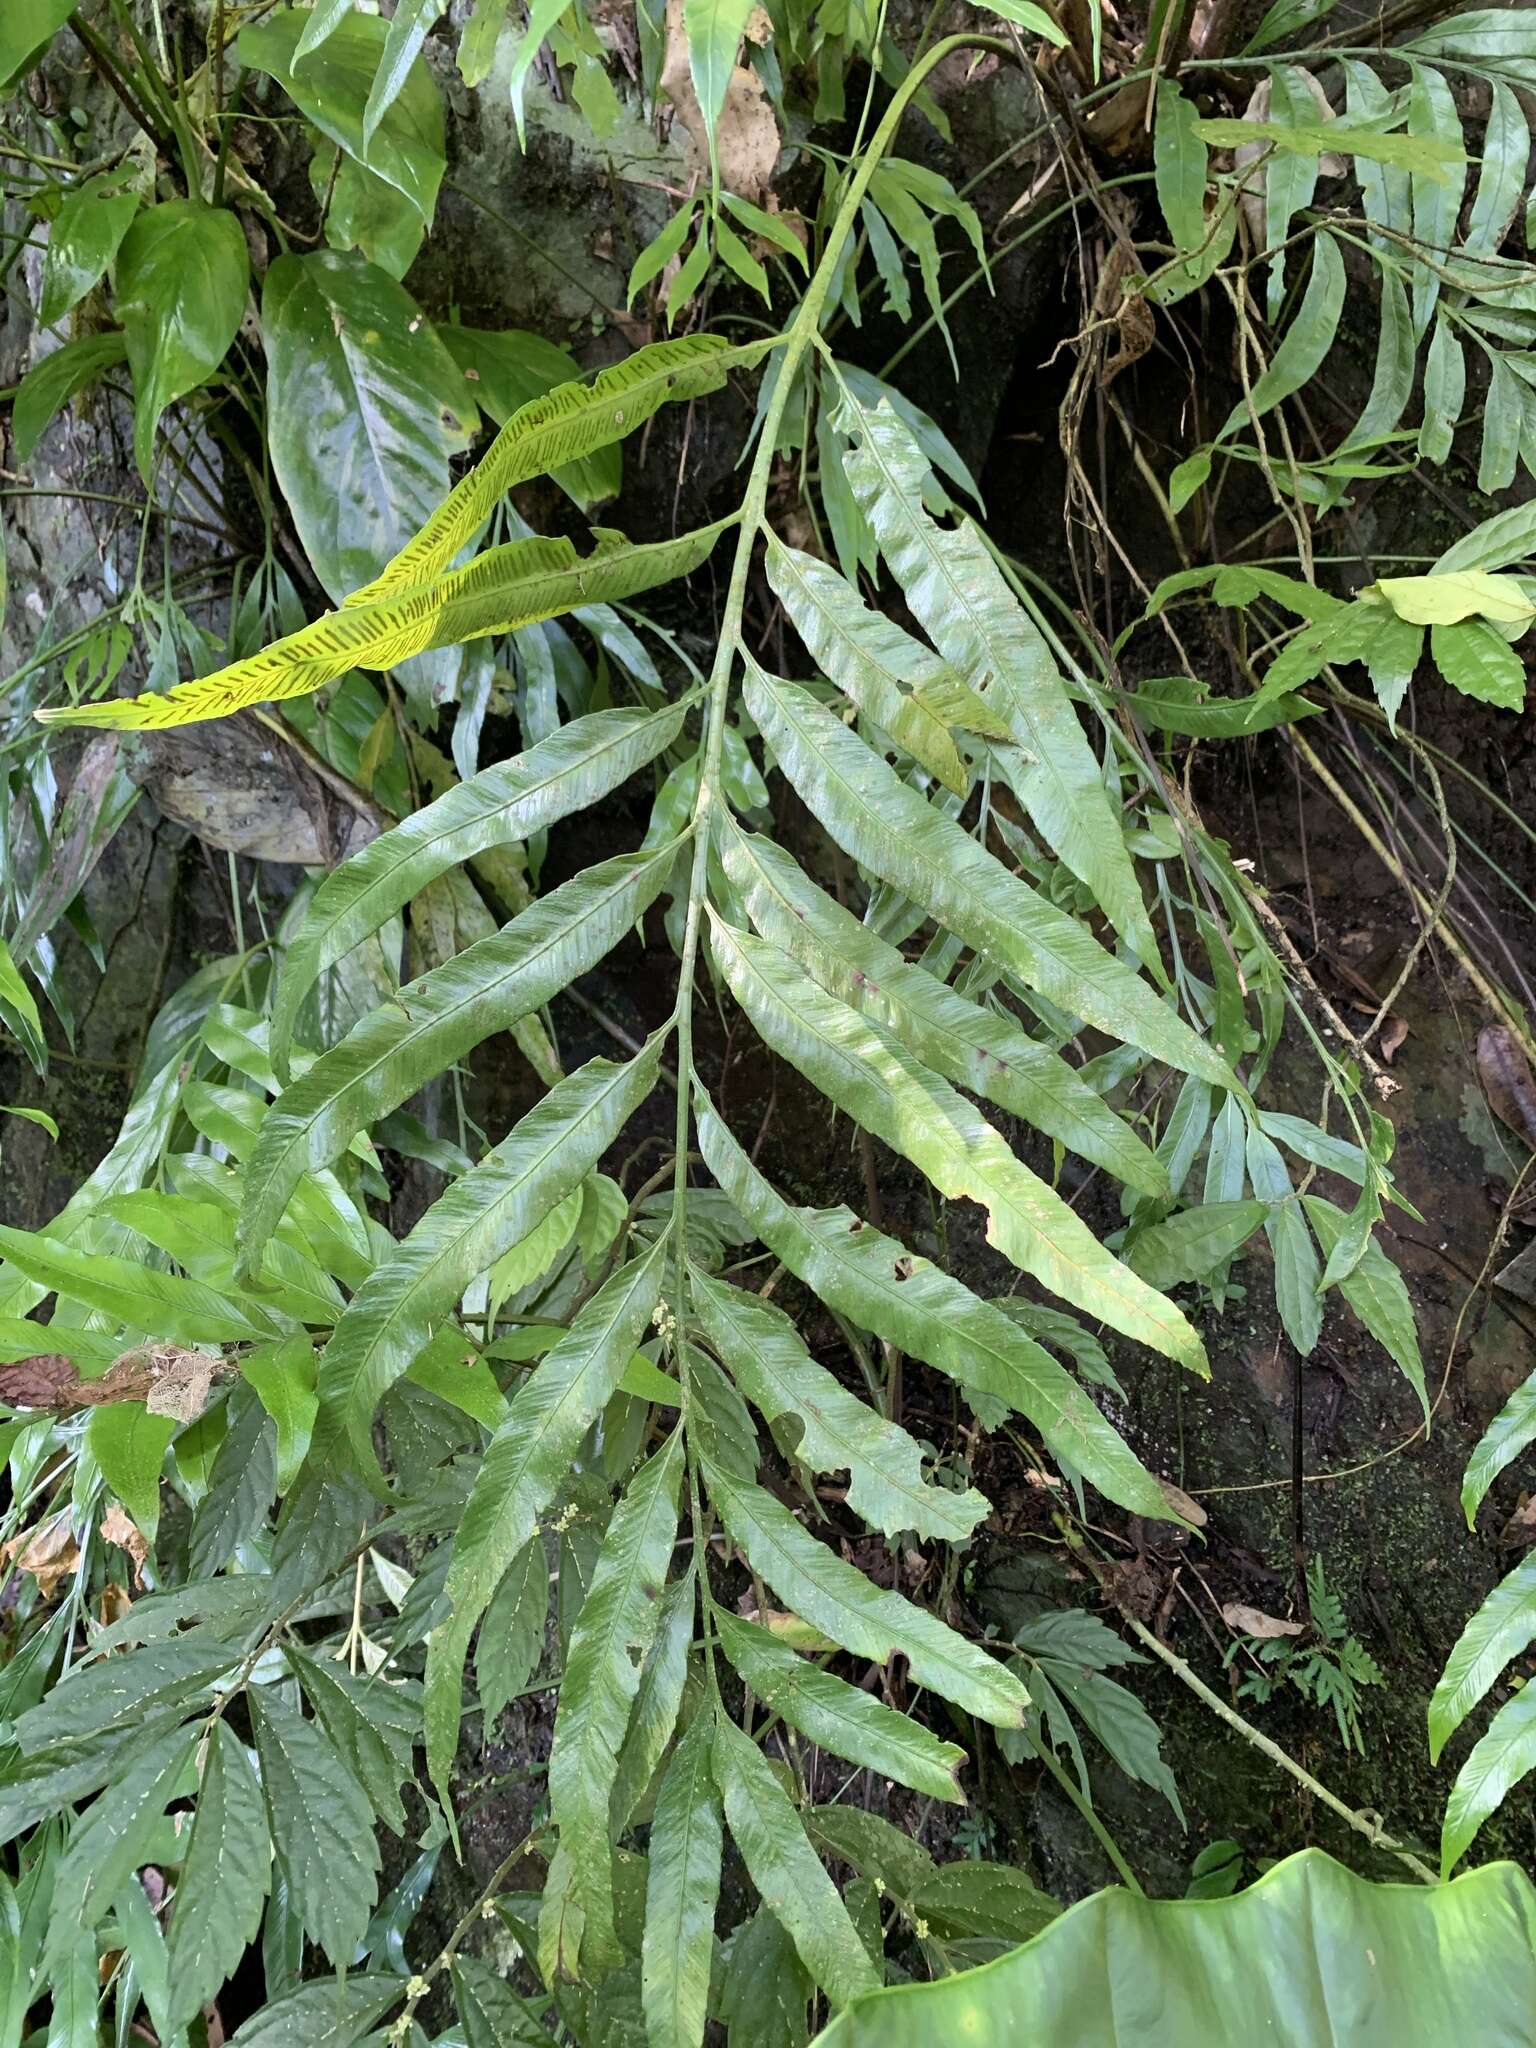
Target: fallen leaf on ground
point(1253, 1621)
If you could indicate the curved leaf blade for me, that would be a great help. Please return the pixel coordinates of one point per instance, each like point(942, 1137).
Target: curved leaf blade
point(1503, 1627)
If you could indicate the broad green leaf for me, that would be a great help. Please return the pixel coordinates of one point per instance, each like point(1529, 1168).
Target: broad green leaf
point(224, 1878)
point(714, 29)
point(507, 587)
point(891, 832)
point(1476, 660)
point(74, 1985)
point(1500, 1758)
point(682, 1889)
point(329, 77)
point(839, 1432)
point(510, 369)
point(874, 663)
point(513, 1636)
point(1445, 597)
point(992, 1901)
point(367, 409)
point(1306, 341)
point(1170, 704)
point(862, 1618)
point(200, 1237)
point(765, 1988)
point(374, 1724)
point(333, 2012)
point(981, 1050)
point(867, 1073)
point(529, 1458)
point(49, 385)
point(490, 2012)
point(1179, 166)
point(85, 235)
point(496, 1204)
point(1195, 1242)
point(321, 1822)
point(129, 1444)
point(958, 594)
point(1502, 1629)
point(550, 432)
point(437, 1019)
point(182, 273)
point(1501, 181)
point(574, 768)
point(602, 1675)
point(1500, 1443)
point(283, 1378)
point(840, 1717)
point(26, 30)
point(907, 1301)
point(477, 45)
point(1377, 1293)
point(785, 1868)
point(1308, 1950)
point(137, 1298)
point(320, 23)
point(133, 1692)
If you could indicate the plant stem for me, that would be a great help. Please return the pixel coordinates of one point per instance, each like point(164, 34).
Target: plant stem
point(1084, 1805)
point(1362, 1823)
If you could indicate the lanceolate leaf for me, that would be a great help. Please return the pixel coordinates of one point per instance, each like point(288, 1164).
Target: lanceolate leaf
point(1376, 1292)
point(139, 1299)
point(224, 1878)
point(1503, 1440)
point(957, 591)
point(761, 1349)
point(862, 1618)
point(975, 1048)
point(682, 1887)
point(908, 1302)
point(568, 422)
point(1188, 1246)
point(1306, 341)
point(528, 1460)
point(436, 1020)
point(867, 1073)
point(785, 1868)
point(575, 767)
point(837, 1716)
point(614, 1628)
point(1499, 1760)
point(493, 1206)
point(1502, 1629)
point(889, 829)
point(374, 1724)
point(507, 587)
point(322, 1825)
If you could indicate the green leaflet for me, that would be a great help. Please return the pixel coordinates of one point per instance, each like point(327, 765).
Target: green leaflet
point(874, 663)
point(1502, 1629)
point(496, 1204)
point(492, 2015)
point(957, 592)
point(840, 1717)
point(762, 1350)
point(1195, 1242)
point(374, 1723)
point(977, 1049)
point(1306, 341)
point(571, 421)
point(1275, 1963)
point(714, 29)
point(862, 1618)
point(786, 1869)
point(616, 1622)
point(513, 1636)
point(653, 1719)
point(866, 1072)
point(49, 385)
point(436, 1020)
point(528, 1459)
point(283, 1379)
point(1376, 1292)
point(182, 273)
point(514, 585)
point(913, 1304)
point(224, 1879)
point(682, 1887)
point(322, 1825)
point(129, 1444)
point(139, 1299)
point(1500, 1758)
point(889, 830)
point(128, 1692)
point(1179, 167)
point(1503, 1440)
point(332, 2013)
point(575, 767)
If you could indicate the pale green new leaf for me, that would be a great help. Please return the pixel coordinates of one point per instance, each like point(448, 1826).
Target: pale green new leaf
point(762, 1350)
point(867, 1073)
point(602, 1675)
point(957, 592)
point(321, 1822)
point(913, 1304)
point(529, 1458)
point(435, 1020)
point(840, 1717)
point(682, 1888)
point(542, 1162)
point(786, 1869)
point(980, 1050)
point(575, 767)
point(564, 424)
point(862, 1618)
point(1499, 1760)
point(224, 1878)
point(892, 832)
point(1502, 1629)
point(1501, 1442)
point(283, 1378)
